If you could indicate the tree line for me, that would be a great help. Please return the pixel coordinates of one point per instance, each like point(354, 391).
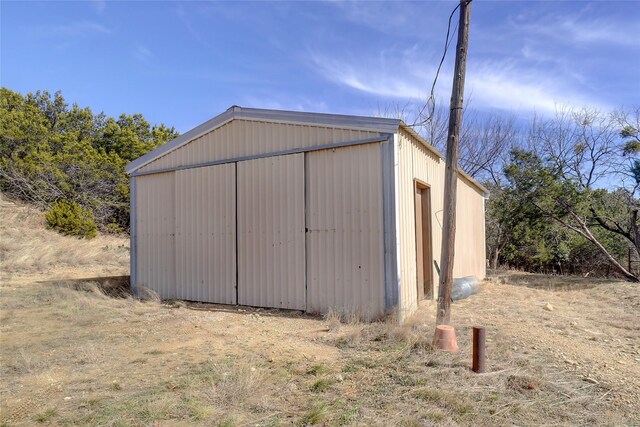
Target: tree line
point(563, 187)
point(70, 161)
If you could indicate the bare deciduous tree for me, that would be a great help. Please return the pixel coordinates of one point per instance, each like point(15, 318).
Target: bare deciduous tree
point(586, 148)
point(583, 144)
point(485, 145)
point(485, 139)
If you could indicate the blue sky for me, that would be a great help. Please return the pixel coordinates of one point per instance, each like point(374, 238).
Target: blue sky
point(182, 63)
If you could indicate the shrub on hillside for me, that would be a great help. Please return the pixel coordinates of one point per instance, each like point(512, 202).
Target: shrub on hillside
point(50, 150)
point(71, 219)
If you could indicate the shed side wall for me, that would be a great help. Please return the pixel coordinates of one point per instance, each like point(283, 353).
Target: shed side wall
point(416, 162)
point(240, 138)
point(345, 240)
point(155, 225)
point(470, 245)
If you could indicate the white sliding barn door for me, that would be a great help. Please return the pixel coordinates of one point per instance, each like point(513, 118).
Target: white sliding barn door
point(271, 232)
point(206, 234)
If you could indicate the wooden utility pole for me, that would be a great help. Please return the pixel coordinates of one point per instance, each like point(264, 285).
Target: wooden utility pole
point(451, 174)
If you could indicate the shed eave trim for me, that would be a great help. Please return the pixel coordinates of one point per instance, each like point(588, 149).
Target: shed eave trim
point(176, 143)
point(473, 182)
point(374, 124)
point(269, 154)
point(435, 151)
point(423, 141)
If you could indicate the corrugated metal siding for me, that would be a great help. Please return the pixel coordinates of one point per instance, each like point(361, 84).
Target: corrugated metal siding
point(415, 161)
point(206, 234)
point(430, 169)
point(271, 236)
point(155, 206)
point(345, 232)
point(248, 137)
point(389, 225)
point(470, 232)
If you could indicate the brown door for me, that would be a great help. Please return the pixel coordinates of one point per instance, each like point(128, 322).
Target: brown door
point(424, 252)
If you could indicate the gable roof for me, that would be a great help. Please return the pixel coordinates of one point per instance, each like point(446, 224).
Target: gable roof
point(374, 124)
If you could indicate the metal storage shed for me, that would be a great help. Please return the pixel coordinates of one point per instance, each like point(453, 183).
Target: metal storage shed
point(300, 211)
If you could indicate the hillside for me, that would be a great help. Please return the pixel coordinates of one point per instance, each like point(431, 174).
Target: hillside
point(74, 353)
point(27, 247)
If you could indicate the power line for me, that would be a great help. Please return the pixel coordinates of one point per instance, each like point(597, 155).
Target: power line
point(431, 102)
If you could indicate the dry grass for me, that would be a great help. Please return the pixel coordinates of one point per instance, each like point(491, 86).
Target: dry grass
point(73, 355)
point(395, 366)
point(231, 384)
point(78, 350)
point(333, 319)
point(51, 335)
point(26, 246)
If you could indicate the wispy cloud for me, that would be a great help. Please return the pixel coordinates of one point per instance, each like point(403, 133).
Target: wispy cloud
point(142, 53)
point(278, 101)
point(393, 17)
point(572, 29)
point(388, 75)
point(262, 102)
point(100, 5)
point(185, 18)
point(503, 85)
point(510, 87)
point(79, 29)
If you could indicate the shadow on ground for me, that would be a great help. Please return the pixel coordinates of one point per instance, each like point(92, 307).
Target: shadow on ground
point(268, 312)
point(119, 287)
point(112, 286)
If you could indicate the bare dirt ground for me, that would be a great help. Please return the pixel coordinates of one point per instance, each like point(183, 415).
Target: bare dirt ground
point(74, 350)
